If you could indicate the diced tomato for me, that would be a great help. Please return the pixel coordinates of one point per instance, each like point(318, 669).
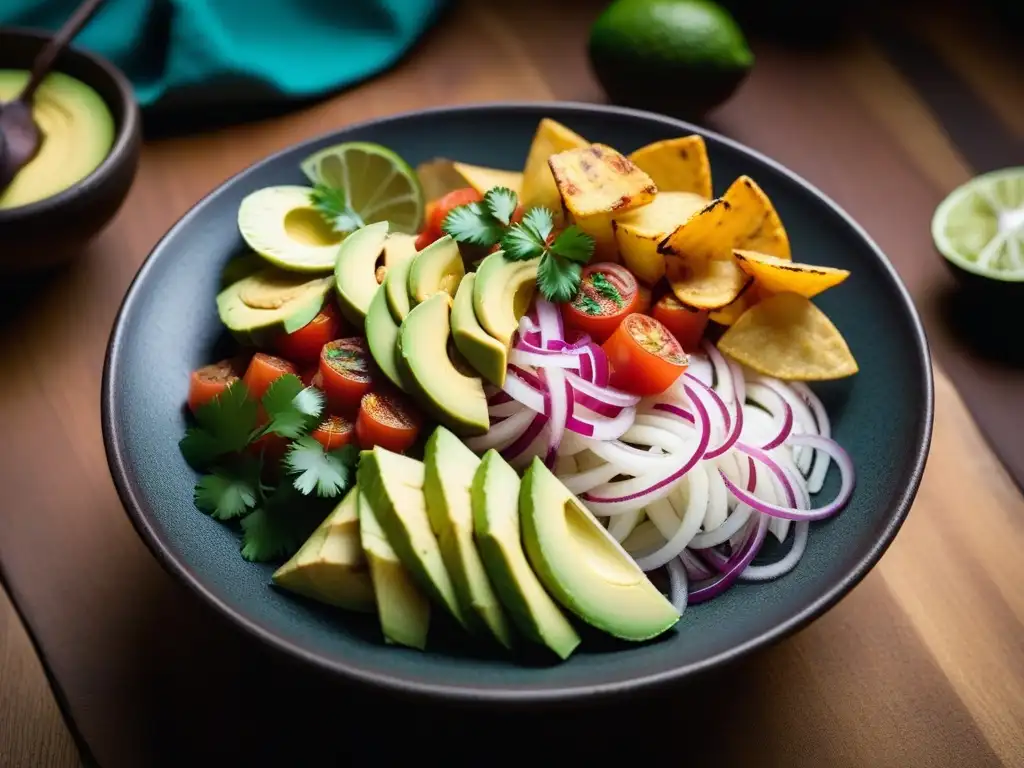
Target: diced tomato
point(643, 306)
point(389, 420)
point(645, 357)
point(308, 374)
point(209, 381)
point(263, 371)
point(304, 345)
point(346, 373)
point(446, 203)
point(686, 324)
point(425, 238)
point(608, 292)
point(334, 432)
point(517, 214)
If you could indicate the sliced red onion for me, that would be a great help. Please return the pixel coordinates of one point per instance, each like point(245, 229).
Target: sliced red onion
point(718, 402)
point(736, 565)
point(696, 569)
point(767, 398)
point(821, 459)
point(595, 405)
point(612, 505)
point(787, 563)
point(803, 418)
point(539, 360)
point(723, 376)
point(607, 395)
point(502, 433)
point(621, 526)
point(689, 523)
point(677, 584)
point(582, 482)
point(737, 422)
point(525, 388)
point(602, 429)
point(499, 397)
point(503, 410)
point(836, 451)
point(559, 409)
point(718, 499)
point(733, 523)
point(700, 369)
point(526, 438)
point(650, 434)
point(549, 319)
point(630, 460)
point(528, 325)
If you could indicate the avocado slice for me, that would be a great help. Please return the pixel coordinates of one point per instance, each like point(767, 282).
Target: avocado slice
point(330, 566)
point(396, 288)
point(448, 478)
point(583, 567)
point(393, 484)
point(502, 294)
point(382, 338)
point(271, 301)
point(485, 353)
point(398, 247)
point(356, 270)
point(281, 225)
point(403, 609)
point(438, 267)
point(455, 399)
point(495, 502)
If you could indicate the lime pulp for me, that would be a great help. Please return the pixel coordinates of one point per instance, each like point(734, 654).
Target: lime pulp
point(378, 184)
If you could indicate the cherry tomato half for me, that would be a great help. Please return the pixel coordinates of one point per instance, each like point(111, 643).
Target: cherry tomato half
point(346, 373)
point(334, 432)
point(304, 345)
point(263, 370)
point(608, 292)
point(686, 324)
point(307, 375)
point(645, 357)
point(209, 381)
point(446, 203)
point(387, 420)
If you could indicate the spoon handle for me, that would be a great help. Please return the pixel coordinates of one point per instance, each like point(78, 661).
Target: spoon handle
point(44, 60)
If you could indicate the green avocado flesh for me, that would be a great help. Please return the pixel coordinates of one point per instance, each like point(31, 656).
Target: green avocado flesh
point(438, 267)
point(586, 569)
point(77, 131)
point(271, 301)
point(455, 399)
point(448, 479)
point(502, 294)
point(396, 289)
point(356, 270)
point(393, 484)
point(281, 225)
point(487, 355)
point(330, 566)
point(495, 506)
point(403, 609)
point(382, 338)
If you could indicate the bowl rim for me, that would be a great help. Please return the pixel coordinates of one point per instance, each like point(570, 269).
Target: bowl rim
point(504, 694)
point(123, 139)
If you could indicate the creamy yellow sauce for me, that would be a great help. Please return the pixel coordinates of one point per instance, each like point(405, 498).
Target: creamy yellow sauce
point(77, 129)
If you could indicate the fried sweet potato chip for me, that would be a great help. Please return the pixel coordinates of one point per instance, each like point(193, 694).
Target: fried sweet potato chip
point(538, 187)
point(482, 179)
point(638, 232)
point(730, 313)
point(706, 283)
point(596, 180)
point(779, 275)
point(741, 218)
point(438, 177)
point(677, 165)
point(788, 337)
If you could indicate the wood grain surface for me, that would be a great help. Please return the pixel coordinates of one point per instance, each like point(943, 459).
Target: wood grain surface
point(922, 665)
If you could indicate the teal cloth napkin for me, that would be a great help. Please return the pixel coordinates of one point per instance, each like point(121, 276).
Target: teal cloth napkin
point(190, 53)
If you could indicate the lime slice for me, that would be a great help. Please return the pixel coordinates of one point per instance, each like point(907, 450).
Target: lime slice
point(378, 184)
point(980, 226)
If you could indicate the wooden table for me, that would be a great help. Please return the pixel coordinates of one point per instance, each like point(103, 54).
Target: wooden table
point(922, 665)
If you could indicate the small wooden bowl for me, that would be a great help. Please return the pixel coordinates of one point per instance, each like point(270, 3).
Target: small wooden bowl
point(54, 230)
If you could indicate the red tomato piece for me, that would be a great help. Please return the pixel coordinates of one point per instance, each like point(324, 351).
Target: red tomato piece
point(209, 381)
point(346, 373)
point(608, 292)
point(444, 205)
point(387, 420)
point(304, 345)
point(686, 324)
point(263, 371)
point(334, 432)
point(645, 357)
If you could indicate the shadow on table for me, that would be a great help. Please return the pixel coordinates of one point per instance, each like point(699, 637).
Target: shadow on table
point(989, 329)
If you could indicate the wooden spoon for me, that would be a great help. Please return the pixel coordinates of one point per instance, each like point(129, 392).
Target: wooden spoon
point(20, 137)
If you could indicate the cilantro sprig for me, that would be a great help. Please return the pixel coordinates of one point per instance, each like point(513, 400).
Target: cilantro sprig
point(331, 204)
point(489, 222)
point(275, 518)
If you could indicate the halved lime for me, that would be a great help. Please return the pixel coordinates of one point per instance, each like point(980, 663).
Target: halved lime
point(378, 184)
point(980, 226)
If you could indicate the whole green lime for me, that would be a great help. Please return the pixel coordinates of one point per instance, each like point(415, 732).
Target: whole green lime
point(672, 56)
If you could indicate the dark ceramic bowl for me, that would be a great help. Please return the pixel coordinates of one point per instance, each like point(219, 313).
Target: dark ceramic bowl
point(51, 231)
point(168, 326)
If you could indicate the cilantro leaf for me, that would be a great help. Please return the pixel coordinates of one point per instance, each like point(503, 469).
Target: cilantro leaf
point(328, 473)
point(606, 289)
point(501, 203)
point(557, 279)
point(573, 244)
point(228, 495)
point(331, 204)
point(293, 409)
point(225, 425)
point(276, 530)
point(520, 244)
point(540, 222)
point(472, 224)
